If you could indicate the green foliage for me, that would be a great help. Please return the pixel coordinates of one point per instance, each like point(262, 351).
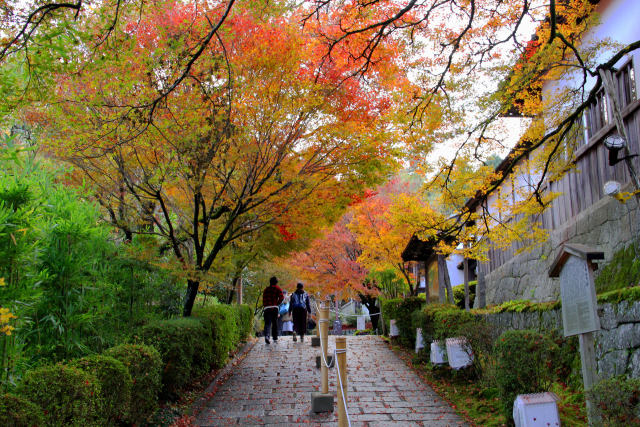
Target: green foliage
point(405, 321)
point(618, 400)
point(520, 306)
point(19, 412)
point(458, 294)
point(176, 341)
point(618, 295)
point(621, 272)
point(67, 395)
point(525, 361)
point(115, 384)
point(144, 364)
point(439, 322)
point(225, 334)
point(74, 288)
point(245, 321)
point(389, 308)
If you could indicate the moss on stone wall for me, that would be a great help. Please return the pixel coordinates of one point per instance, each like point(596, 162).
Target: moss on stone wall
point(623, 271)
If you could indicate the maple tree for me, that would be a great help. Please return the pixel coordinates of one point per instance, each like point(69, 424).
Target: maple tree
point(448, 45)
point(457, 45)
point(330, 264)
point(265, 131)
point(381, 232)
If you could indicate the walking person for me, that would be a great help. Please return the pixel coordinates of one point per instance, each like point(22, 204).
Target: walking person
point(283, 315)
point(271, 298)
point(299, 306)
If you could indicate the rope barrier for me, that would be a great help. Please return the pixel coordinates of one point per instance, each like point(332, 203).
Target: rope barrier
point(344, 401)
point(354, 315)
point(322, 351)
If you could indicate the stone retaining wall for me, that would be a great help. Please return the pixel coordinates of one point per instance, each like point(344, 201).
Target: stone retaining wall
point(617, 343)
point(604, 226)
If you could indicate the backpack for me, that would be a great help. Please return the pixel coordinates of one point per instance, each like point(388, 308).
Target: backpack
point(284, 308)
point(298, 300)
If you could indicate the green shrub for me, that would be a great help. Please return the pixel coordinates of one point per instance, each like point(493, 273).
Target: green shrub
point(404, 319)
point(618, 400)
point(223, 322)
point(115, 384)
point(525, 361)
point(458, 294)
point(427, 320)
point(203, 348)
point(389, 309)
point(145, 367)
point(176, 341)
point(19, 412)
point(440, 322)
point(245, 324)
point(67, 395)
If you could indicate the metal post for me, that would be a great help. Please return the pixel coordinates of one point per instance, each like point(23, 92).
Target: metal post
point(341, 355)
point(323, 322)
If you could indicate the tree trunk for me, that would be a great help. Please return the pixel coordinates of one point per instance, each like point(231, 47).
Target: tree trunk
point(426, 281)
point(466, 284)
point(442, 265)
point(481, 290)
point(442, 290)
point(407, 278)
point(192, 291)
point(239, 289)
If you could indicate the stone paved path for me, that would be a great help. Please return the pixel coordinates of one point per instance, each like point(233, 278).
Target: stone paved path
point(272, 386)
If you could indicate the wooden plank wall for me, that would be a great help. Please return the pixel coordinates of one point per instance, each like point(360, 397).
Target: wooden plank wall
point(580, 188)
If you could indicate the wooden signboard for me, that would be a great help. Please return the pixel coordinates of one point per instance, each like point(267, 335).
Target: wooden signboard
point(578, 294)
point(579, 307)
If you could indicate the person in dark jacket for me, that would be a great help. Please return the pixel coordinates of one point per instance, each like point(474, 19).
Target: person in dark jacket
point(299, 306)
point(271, 299)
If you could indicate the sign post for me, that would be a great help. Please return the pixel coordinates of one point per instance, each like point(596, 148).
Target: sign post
point(574, 267)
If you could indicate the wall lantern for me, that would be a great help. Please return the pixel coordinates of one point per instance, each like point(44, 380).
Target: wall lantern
point(611, 188)
point(614, 143)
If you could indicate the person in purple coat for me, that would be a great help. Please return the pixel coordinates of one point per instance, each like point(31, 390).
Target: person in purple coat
point(299, 307)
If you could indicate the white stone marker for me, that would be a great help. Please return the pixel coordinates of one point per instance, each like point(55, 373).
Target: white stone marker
point(361, 323)
point(458, 352)
point(536, 410)
point(438, 354)
point(419, 340)
point(580, 308)
point(393, 328)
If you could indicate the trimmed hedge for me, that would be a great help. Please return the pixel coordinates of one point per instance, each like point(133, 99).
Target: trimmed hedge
point(122, 385)
point(115, 384)
point(389, 309)
point(67, 395)
point(441, 321)
point(525, 360)
point(245, 321)
point(458, 294)
point(177, 341)
point(223, 324)
point(145, 367)
point(19, 412)
point(401, 309)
